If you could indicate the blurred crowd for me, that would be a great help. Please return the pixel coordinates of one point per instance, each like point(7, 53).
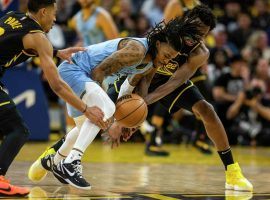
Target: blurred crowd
point(237, 74)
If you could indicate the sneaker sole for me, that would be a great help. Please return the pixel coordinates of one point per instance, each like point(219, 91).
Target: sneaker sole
point(236, 188)
point(72, 184)
point(36, 172)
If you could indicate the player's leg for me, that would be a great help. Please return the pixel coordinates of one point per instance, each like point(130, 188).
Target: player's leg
point(15, 134)
point(70, 168)
point(192, 100)
point(37, 172)
point(153, 146)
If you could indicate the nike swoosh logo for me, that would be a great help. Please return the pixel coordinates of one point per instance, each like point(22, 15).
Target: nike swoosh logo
point(69, 173)
point(226, 151)
point(6, 189)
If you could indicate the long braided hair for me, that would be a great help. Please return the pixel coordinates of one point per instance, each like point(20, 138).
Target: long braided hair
point(173, 33)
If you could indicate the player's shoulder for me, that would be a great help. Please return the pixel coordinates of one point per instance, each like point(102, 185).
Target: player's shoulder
point(102, 13)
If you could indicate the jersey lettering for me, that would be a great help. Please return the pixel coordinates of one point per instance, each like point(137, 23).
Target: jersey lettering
point(13, 22)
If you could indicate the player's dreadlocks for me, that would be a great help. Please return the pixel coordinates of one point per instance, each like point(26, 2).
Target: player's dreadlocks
point(173, 33)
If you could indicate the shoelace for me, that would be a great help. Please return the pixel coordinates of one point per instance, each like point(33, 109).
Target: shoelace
point(78, 169)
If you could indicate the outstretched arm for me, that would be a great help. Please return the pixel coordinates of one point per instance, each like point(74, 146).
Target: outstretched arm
point(42, 46)
point(132, 53)
point(183, 74)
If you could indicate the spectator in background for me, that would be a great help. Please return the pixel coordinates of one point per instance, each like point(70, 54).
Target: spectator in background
point(241, 34)
point(251, 114)
point(226, 90)
point(262, 72)
point(154, 10)
point(142, 25)
point(176, 8)
point(65, 13)
point(232, 9)
point(218, 65)
point(221, 41)
point(93, 24)
point(261, 14)
point(256, 48)
point(124, 18)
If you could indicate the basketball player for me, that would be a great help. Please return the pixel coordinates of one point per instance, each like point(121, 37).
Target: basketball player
point(93, 24)
point(23, 36)
point(123, 55)
point(159, 115)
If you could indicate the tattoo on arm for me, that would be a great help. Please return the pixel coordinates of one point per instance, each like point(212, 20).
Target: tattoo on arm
point(132, 53)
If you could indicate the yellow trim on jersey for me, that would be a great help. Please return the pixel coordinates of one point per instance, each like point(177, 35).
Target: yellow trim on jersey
point(13, 60)
point(115, 85)
point(198, 78)
point(4, 103)
point(180, 95)
point(36, 31)
point(28, 54)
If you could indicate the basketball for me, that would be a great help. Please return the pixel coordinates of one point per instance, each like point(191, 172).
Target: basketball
point(131, 110)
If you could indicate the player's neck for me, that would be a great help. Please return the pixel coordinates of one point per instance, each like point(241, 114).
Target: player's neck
point(34, 17)
point(88, 11)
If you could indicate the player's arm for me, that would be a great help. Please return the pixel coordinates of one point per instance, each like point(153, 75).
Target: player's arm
point(43, 47)
point(172, 10)
point(141, 81)
point(143, 85)
point(106, 23)
point(132, 53)
point(196, 60)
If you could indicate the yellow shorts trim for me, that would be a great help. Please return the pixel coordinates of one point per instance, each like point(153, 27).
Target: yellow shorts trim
point(180, 95)
point(4, 103)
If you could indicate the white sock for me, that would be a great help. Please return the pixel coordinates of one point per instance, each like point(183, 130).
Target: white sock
point(66, 146)
point(86, 136)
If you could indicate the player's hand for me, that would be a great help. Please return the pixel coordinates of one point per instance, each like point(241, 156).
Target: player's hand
point(65, 54)
point(95, 115)
point(128, 132)
point(115, 131)
point(114, 142)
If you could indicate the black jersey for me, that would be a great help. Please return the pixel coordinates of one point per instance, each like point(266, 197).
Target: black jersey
point(13, 27)
point(166, 71)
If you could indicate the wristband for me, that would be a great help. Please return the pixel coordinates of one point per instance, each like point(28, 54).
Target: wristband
point(85, 108)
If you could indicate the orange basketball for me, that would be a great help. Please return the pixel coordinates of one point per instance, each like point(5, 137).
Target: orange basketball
point(131, 110)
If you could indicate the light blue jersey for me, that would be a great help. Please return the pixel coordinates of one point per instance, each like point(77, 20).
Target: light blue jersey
point(75, 75)
point(91, 34)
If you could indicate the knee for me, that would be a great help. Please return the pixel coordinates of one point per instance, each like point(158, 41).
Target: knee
point(204, 110)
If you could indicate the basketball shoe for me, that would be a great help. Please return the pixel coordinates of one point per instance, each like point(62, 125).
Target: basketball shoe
point(6, 189)
point(37, 172)
point(235, 179)
point(71, 173)
point(47, 163)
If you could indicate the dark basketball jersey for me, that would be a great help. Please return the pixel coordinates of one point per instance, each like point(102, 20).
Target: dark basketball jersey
point(13, 27)
point(166, 71)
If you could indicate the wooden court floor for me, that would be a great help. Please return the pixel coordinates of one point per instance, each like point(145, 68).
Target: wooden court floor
point(126, 173)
